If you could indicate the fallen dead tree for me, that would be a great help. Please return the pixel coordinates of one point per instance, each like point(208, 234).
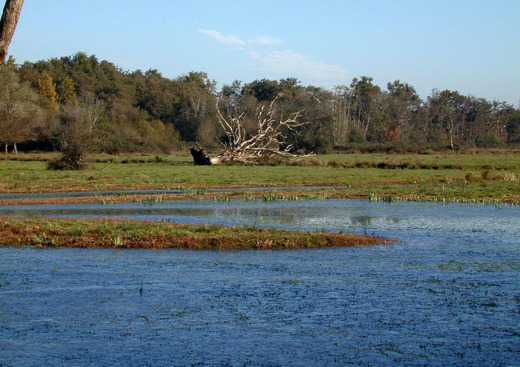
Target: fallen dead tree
point(266, 139)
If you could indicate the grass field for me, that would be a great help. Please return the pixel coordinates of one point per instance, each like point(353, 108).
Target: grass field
point(436, 176)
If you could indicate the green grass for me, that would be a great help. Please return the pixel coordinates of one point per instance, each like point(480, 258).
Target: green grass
point(33, 176)
point(470, 176)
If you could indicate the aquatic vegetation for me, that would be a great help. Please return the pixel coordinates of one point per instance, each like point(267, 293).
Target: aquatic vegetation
point(270, 196)
point(317, 196)
point(291, 197)
point(43, 241)
point(373, 197)
point(118, 241)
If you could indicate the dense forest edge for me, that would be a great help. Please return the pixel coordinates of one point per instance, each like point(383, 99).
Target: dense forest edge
point(83, 104)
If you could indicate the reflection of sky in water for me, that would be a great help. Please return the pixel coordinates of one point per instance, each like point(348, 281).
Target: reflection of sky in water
point(446, 294)
point(404, 220)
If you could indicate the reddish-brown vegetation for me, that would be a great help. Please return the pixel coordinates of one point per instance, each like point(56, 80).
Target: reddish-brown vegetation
point(149, 235)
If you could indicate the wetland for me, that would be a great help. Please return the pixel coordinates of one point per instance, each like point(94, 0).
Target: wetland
point(444, 293)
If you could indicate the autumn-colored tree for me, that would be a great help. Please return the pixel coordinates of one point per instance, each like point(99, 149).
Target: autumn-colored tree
point(76, 132)
point(47, 89)
point(20, 113)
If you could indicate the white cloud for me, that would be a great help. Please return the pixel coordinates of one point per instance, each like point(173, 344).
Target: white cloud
point(302, 66)
point(263, 40)
point(234, 40)
point(283, 63)
point(221, 38)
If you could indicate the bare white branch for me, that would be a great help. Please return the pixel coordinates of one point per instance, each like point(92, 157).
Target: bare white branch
point(266, 140)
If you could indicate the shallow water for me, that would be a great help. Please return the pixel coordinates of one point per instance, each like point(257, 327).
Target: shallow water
point(447, 293)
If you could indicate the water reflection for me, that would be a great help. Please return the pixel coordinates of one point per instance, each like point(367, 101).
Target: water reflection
point(362, 220)
point(406, 219)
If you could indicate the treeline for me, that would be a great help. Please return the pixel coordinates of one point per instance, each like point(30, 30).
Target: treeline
point(146, 112)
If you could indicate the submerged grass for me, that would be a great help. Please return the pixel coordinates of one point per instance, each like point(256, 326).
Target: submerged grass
point(42, 233)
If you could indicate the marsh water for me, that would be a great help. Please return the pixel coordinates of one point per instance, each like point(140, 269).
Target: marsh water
point(447, 293)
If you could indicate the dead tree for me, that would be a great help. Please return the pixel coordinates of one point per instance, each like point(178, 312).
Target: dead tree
point(8, 23)
point(267, 139)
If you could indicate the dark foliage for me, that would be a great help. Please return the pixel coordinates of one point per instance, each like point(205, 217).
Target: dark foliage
point(147, 112)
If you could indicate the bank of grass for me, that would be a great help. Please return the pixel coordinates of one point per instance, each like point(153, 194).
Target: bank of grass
point(89, 233)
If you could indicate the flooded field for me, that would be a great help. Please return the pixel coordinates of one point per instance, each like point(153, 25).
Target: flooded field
point(447, 293)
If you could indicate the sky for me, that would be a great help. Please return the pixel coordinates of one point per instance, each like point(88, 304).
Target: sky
point(471, 46)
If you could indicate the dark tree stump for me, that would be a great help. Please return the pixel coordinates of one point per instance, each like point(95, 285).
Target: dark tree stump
point(200, 158)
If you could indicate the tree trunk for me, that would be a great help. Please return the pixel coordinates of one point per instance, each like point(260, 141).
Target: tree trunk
point(200, 158)
point(15, 149)
point(8, 23)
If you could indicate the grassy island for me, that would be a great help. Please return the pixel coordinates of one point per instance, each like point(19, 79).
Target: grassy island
point(89, 233)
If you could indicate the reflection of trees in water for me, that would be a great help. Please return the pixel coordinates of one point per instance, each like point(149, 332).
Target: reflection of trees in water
point(366, 220)
point(363, 220)
point(283, 214)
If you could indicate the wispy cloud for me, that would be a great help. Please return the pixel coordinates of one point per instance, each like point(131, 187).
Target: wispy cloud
point(231, 40)
point(263, 40)
point(288, 62)
point(282, 62)
point(221, 38)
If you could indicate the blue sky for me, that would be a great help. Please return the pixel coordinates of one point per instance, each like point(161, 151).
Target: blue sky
point(471, 46)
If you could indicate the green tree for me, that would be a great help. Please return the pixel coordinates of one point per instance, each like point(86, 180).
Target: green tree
point(263, 90)
point(365, 98)
point(447, 114)
point(513, 126)
point(195, 107)
point(402, 105)
point(66, 91)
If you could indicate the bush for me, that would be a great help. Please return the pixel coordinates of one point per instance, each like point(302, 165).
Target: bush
point(356, 135)
point(490, 140)
point(71, 159)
